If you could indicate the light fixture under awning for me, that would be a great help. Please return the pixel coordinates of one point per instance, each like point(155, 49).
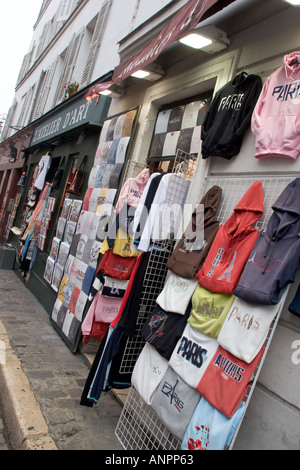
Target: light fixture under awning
point(186, 19)
point(295, 3)
point(207, 38)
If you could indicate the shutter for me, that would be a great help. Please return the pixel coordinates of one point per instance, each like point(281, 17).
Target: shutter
point(8, 121)
point(38, 87)
point(97, 35)
point(24, 67)
point(44, 91)
point(25, 108)
point(43, 41)
point(65, 10)
point(69, 64)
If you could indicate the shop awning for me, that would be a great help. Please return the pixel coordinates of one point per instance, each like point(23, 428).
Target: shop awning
point(185, 20)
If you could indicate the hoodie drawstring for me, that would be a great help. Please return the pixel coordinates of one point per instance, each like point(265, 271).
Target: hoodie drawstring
point(275, 240)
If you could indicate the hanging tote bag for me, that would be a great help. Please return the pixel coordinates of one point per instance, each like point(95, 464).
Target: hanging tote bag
point(78, 178)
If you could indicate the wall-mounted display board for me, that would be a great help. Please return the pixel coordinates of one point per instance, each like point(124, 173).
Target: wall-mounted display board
point(178, 128)
point(88, 231)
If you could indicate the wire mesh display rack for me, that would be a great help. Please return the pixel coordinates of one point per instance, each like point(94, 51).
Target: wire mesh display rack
point(156, 270)
point(138, 427)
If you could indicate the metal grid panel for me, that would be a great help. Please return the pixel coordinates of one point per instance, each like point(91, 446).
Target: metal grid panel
point(156, 271)
point(233, 188)
point(154, 280)
point(140, 429)
point(138, 426)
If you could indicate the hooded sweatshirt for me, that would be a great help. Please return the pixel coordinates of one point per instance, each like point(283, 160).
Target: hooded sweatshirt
point(132, 190)
point(233, 243)
point(229, 116)
point(190, 252)
point(275, 257)
point(276, 117)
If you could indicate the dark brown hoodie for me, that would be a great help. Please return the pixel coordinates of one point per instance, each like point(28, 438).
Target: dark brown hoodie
point(190, 252)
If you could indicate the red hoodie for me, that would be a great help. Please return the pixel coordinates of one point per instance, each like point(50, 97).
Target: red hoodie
point(233, 244)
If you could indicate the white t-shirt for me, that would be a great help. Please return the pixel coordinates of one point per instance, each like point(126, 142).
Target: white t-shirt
point(176, 294)
point(192, 354)
point(148, 372)
point(245, 328)
point(44, 165)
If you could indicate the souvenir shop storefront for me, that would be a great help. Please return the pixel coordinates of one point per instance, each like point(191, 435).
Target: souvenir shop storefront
point(163, 267)
point(184, 319)
point(56, 166)
point(11, 178)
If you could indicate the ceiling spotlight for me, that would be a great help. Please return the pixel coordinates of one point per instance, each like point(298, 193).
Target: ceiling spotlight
point(140, 74)
point(152, 73)
point(105, 92)
point(113, 91)
point(207, 38)
point(196, 41)
point(295, 3)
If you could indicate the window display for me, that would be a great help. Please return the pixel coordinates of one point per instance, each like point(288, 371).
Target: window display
point(178, 128)
point(84, 229)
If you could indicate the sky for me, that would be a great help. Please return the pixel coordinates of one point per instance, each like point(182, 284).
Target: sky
point(17, 19)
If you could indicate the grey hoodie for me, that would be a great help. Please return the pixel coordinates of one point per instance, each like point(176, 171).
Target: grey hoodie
point(275, 257)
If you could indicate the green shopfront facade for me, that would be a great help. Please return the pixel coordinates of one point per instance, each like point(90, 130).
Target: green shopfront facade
point(69, 134)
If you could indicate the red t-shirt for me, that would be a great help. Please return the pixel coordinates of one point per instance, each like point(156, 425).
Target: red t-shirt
point(226, 380)
point(117, 266)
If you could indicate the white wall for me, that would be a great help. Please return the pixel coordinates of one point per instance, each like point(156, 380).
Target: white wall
point(123, 17)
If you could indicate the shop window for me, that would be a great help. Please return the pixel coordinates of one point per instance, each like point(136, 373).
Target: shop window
point(177, 128)
point(61, 194)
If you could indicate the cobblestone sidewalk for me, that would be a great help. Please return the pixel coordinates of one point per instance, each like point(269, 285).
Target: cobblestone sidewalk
point(4, 442)
point(56, 375)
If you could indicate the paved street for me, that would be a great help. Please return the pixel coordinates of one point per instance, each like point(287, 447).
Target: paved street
point(55, 375)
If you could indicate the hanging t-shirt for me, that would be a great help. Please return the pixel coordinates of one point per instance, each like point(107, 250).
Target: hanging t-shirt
point(176, 293)
point(209, 429)
point(163, 329)
point(116, 266)
point(226, 380)
point(44, 165)
point(122, 245)
point(246, 328)
point(102, 309)
point(148, 372)
point(209, 311)
point(174, 402)
point(192, 355)
point(114, 287)
point(144, 206)
point(166, 210)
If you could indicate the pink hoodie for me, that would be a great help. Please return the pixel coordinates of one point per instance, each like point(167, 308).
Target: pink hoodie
point(276, 116)
point(132, 190)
